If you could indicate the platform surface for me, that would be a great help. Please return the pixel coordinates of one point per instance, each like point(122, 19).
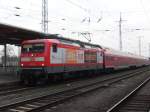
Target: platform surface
point(8, 76)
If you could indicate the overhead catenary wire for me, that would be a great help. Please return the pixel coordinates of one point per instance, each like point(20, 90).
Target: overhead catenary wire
point(72, 22)
point(77, 5)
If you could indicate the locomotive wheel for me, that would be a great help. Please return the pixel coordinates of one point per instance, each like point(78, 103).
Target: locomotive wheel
point(28, 80)
point(57, 77)
point(22, 79)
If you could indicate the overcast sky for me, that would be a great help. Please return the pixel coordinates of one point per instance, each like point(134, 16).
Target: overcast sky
point(67, 16)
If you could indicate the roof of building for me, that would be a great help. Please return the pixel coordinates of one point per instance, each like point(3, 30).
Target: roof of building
point(15, 35)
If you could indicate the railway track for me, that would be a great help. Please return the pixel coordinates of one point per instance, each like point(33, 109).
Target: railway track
point(133, 102)
point(46, 101)
point(16, 88)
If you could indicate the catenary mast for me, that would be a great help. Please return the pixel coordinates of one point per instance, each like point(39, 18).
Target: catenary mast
point(45, 16)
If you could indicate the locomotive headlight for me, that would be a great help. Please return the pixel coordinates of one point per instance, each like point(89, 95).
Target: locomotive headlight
point(43, 64)
point(22, 65)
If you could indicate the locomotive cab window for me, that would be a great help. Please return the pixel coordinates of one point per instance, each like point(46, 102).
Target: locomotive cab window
point(38, 48)
point(26, 48)
point(35, 47)
point(54, 47)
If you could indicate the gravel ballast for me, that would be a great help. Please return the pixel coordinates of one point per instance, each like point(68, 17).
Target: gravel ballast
point(101, 100)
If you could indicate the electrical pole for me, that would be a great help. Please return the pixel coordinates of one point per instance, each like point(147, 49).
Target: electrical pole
point(120, 33)
point(149, 50)
point(45, 16)
point(139, 45)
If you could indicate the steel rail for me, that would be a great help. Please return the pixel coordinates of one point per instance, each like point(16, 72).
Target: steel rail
point(14, 90)
point(117, 105)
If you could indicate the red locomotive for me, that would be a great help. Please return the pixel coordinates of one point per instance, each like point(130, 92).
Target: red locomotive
point(44, 58)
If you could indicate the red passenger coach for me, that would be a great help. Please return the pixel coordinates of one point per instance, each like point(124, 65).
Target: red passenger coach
point(115, 60)
point(43, 58)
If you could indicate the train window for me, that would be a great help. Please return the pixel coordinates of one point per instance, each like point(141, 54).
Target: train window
point(26, 48)
point(101, 54)
point(39, 47)
point(90, 57)
point(54, 46)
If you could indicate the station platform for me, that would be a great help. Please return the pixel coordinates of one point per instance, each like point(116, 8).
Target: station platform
point(8, 76)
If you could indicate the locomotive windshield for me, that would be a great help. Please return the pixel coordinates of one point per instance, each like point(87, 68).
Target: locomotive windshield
point(33, 48)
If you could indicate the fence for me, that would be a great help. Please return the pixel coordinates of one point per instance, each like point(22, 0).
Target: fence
point(9, 70)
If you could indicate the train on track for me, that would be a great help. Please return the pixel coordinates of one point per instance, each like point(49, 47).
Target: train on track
point(42, 59)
